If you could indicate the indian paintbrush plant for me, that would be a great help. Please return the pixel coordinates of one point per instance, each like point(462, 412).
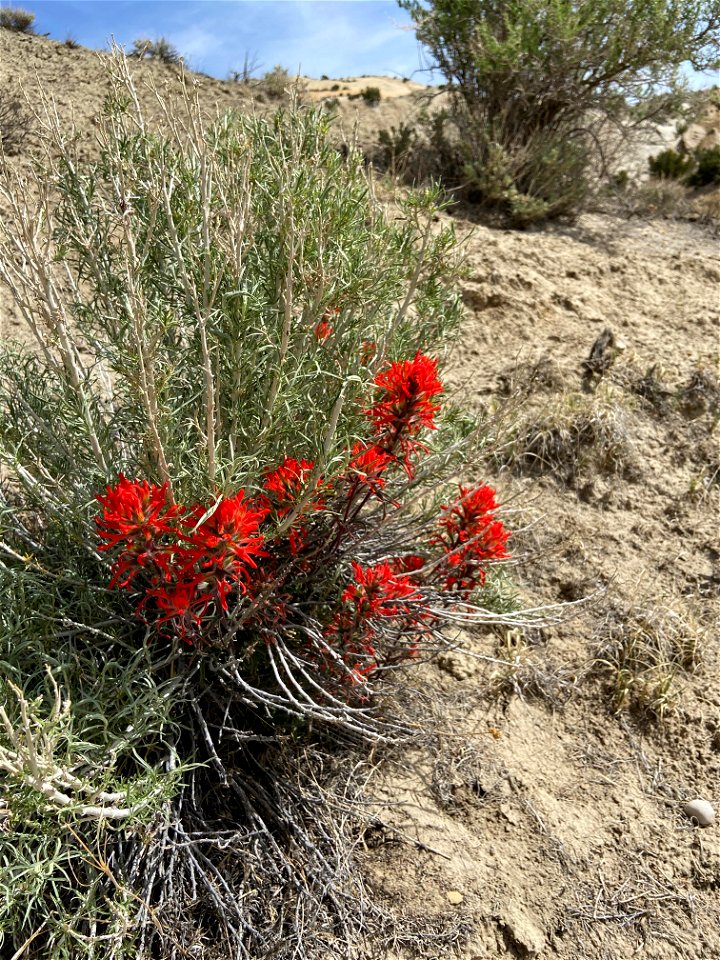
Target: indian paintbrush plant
point(230, 520)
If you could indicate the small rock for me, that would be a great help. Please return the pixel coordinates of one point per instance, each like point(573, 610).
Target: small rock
point(701, 811)
point(524, 934)
point(454, 897)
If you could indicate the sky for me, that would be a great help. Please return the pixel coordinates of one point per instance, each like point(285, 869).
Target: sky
point(313, 37)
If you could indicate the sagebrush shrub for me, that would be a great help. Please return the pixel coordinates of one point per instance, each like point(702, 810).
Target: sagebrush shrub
point(544, 84)
point(277, 82)
point(229, 509)
point(16, 19)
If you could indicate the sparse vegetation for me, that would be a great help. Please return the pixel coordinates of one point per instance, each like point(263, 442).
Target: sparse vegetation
point(160, 49)
point(539, 802)
point(645, 651)
point(670, 165)
point(666, 198)
point(571, 437)
point(534, 85)
point(17, 20)
point(14, 122)
point(248, 71)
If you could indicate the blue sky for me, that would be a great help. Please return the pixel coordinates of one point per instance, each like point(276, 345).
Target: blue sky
point(313, 37)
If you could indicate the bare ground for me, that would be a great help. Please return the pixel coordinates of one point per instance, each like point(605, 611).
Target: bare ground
point(549, 823)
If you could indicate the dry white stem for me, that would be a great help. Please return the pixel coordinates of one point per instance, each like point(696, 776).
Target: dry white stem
point(30, 759)
point(409, 296)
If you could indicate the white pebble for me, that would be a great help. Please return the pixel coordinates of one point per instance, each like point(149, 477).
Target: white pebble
point(701, 811)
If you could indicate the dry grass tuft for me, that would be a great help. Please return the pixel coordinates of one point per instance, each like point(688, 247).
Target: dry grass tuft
point(701, 394)
point(659, 198)
point(523, 670)
point(14, 122)
point(644, 651)
point(569, 437)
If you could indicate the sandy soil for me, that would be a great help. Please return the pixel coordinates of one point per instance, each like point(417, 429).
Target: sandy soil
point(540, 822)
point(550, 825)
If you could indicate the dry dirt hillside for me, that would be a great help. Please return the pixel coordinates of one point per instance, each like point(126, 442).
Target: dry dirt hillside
point(546, 818)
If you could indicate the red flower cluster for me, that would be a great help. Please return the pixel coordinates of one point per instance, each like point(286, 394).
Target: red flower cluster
point(324, 329)
point(285, 483)
point(185, 558)
point(404, 406)
point(192, 565)
point(378, 592)
point(471, 536)
point(135, 518)
point(368, 464)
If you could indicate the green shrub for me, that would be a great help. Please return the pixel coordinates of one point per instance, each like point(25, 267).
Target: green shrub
point(528, 79)
point(276, 82)
point(16, 19)
point(670, 165)
point(708, 168)
point(396, 147)
point(621, 179)
point(371, 95)
point(160, 49)
point(221, 529)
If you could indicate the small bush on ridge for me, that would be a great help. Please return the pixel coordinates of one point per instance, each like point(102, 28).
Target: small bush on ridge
point(160, 49)
point(371, 95)
point(16, 19)
point(276, 82)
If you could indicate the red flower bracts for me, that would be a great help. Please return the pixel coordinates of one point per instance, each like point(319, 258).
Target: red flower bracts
point(324, 329)
point(222, 572)
point(470, 536)
point(376, 591)
point(227, 534)
point(134, 512)
point(368, 464)
point(404, 406)
point(285, 483)
point(136, 516)
point(186, 559)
